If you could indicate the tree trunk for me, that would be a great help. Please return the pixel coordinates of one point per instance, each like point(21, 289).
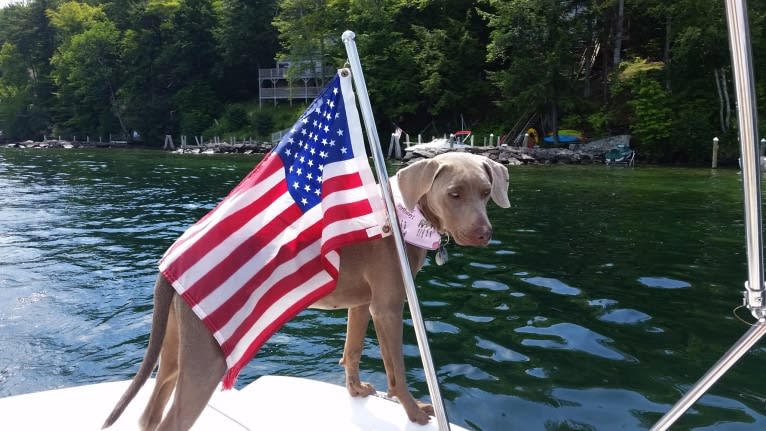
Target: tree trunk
point(666, 58)
point(720, 100)
point(726, 98)
point(618, 33)
point(555, 123)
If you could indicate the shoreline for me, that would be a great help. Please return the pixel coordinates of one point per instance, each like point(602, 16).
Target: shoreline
point(588, 153)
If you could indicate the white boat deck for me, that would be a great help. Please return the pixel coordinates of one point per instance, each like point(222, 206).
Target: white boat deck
point(269, 403)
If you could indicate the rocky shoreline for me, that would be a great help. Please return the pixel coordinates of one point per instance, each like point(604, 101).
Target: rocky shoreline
point(589, 153)
point(207, 148)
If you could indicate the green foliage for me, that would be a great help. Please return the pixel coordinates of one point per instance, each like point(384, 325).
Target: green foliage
point(263, 123)
point(638, 86)
point(235, 117)
point(653, 116)
point(191, 66)
point(197, 107)
point(85, 69)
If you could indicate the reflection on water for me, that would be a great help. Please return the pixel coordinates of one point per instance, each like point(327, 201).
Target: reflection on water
point(604, 295)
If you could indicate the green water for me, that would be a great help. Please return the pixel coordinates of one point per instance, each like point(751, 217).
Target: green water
point(604, 295)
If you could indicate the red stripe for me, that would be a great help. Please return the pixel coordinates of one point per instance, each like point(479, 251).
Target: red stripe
point(341, 182)
point(347, 211)
point(219, 317)
point(340, 241)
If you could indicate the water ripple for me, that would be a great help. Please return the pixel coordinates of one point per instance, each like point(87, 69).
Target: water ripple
point(555, 286)
point(663, 283)
point(568, 336)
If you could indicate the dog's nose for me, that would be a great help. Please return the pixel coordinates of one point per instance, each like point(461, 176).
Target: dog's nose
point(483, 234)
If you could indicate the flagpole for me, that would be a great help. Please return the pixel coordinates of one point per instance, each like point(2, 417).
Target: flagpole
point(409, 282)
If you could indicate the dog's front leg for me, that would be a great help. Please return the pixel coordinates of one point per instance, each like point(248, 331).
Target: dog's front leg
point(358, 321)
point(388, 327)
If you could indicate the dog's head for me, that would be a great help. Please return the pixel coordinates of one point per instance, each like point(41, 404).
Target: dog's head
point(453, 190)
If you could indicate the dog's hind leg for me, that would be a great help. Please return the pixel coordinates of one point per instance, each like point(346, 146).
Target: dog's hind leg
point(201, 367)
point(358, 321)
point(167, 374)
point(163, 298)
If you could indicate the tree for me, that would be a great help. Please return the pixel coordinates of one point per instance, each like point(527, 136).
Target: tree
point(246, 41)
point(537, 45)
point(195, 56)
point(148, 57)
point(86, 70)
point(26, 28)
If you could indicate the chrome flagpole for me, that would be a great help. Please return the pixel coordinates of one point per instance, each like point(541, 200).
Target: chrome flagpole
point(739, 42)
point(409, 282)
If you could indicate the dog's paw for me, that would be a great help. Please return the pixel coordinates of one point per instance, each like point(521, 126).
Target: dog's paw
point(426, 408)
point(360, 389)
point(419, 416)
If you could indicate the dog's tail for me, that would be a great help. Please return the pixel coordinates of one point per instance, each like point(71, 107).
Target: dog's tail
point(163, 297)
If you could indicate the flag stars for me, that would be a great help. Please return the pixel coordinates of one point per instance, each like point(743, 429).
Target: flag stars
point(317, 140)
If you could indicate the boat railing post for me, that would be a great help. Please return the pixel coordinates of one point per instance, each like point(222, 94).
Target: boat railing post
point(715, 153)
point(409, 282)
point(747, 118)
point(739, 41)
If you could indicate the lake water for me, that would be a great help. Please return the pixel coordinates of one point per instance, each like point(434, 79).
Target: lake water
point(604, 295)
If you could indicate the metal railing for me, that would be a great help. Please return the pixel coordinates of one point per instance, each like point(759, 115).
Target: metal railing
point(739, 41)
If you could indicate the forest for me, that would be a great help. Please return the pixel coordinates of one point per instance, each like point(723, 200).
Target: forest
point(659, 70)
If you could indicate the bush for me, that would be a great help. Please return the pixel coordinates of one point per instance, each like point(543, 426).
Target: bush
point(234, 118)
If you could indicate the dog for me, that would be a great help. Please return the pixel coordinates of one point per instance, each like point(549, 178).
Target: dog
point(451, 190)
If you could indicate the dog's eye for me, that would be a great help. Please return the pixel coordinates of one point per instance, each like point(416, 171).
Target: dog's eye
point(485, 193)
point(454, 195)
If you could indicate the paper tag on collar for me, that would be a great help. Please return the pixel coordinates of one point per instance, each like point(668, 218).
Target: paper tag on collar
point(416, 230)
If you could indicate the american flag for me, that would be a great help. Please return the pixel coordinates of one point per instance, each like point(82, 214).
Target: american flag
point(270, 248)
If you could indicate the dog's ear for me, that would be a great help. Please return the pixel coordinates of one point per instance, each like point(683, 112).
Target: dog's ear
point(499, 174)
point(416, 179)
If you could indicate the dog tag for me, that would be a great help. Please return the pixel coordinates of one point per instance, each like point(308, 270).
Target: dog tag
point(441, 256)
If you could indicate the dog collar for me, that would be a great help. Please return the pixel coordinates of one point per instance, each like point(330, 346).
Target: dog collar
point(416, 229)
